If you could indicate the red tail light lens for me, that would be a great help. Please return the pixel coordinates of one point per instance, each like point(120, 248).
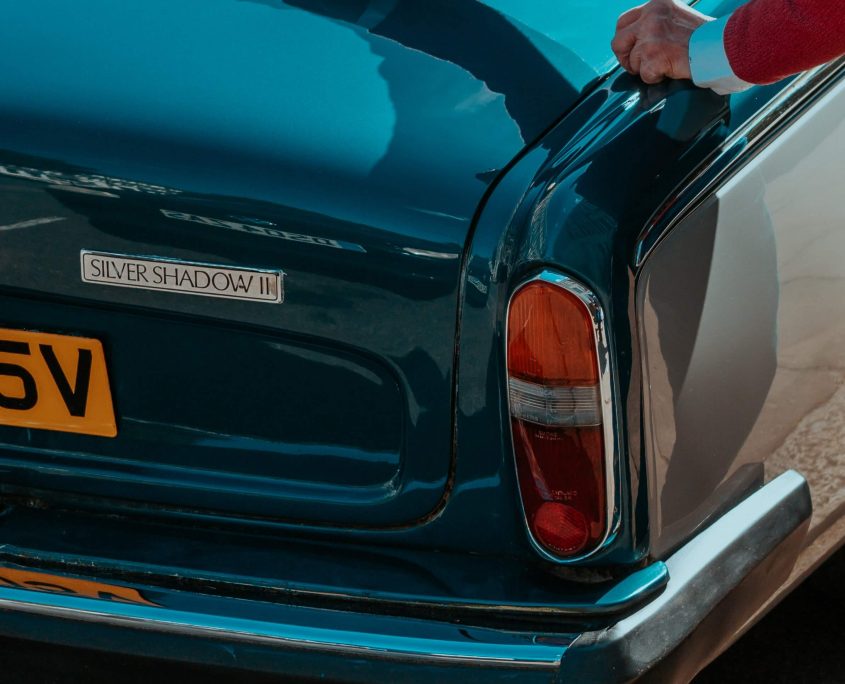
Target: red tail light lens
point(556, 396)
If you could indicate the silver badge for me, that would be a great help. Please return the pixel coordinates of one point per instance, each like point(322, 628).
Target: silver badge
point(171, 275)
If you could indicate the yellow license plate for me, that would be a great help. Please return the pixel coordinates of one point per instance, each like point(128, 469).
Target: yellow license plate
point(55, 382)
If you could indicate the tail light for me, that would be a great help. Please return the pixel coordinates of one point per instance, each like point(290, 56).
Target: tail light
point(559, 395)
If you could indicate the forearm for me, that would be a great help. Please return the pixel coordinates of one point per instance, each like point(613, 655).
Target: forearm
point(766, 40)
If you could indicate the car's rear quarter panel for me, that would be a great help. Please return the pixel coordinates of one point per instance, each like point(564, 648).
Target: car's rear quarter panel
point(742, 323)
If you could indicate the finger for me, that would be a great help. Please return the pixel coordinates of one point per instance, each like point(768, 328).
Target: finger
point(678, 66)
point(625, 62)
point(622, 44)
point(635, 59)
point(651, 74)
point(654, 67)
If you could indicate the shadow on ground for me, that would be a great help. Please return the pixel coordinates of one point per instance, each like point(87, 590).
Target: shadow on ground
point(802, 640)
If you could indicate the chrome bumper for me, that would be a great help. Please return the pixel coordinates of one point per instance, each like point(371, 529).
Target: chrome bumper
point(667, 639)
point(718, 582)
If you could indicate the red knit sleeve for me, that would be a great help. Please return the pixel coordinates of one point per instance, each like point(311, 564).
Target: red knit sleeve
point(766, 40)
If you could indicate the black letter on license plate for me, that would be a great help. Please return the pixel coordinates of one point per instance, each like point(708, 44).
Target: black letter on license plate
point(75, 399)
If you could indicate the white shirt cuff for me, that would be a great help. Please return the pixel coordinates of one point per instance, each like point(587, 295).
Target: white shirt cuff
point(708, 61)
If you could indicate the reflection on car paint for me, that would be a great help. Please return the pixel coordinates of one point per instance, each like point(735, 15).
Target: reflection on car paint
point(743, 314)
point(331, 450)
point(267, 231)
point(31, 223)
point(40, 581)
point(88, 181)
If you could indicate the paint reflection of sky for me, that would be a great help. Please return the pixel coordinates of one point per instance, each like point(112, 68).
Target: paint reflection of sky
point(202, 93)
point(406, 110)
point(584, 26)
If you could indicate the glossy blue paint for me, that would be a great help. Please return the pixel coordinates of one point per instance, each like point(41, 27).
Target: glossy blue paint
point(757, 540)
point(578, 201)
point(476, 589)
point(580, 25)
point(405, 177)
point(229, 132)
point(293, 640)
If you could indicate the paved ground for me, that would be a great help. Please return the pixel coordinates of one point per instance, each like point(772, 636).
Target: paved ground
point(802, 640)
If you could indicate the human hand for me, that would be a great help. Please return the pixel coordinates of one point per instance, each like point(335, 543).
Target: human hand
point(652, 40)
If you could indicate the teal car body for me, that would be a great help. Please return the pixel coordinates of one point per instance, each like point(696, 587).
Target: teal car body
point(325, 487)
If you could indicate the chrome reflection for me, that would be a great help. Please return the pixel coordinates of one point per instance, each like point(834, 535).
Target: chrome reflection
point(96, 183)
point(32, 223)
point(264, 230)
point(736, 150)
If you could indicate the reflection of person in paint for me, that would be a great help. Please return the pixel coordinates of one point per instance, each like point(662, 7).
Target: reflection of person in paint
point(460, 32)
point(475, 67)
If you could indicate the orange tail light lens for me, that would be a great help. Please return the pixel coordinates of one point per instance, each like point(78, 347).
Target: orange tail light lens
point(555, 392)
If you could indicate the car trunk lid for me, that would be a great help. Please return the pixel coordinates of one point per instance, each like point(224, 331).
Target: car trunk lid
point(348, 149)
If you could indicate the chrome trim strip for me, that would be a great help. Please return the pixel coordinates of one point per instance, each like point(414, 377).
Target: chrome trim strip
point(263, 633)
point(593, 307)
point(745, 142)
point(706, 574)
